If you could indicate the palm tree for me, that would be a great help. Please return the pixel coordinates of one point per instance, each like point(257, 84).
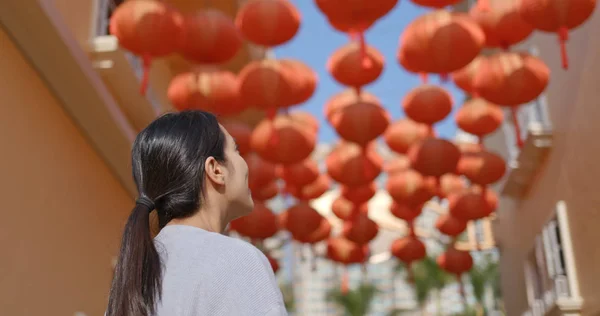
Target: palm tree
point(356, 302)
point(482, 276)
point(427, 277)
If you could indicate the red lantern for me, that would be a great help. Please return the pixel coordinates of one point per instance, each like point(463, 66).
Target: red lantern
point(450, 226)
point(501, 22)
point(405, 212)
point(304, 80)
point(438, 4)
point(358, 13)
point(320, 234)
point(351, 68)
point(360, 194)
point(427, 104)
point(241, 132)
point(473, 204)
point(268, 22)
point(511, 79)
point(261, 223)
point(307, 119)
point(408, 249)
point(360, 229)
point(455, 261)
point(410, 188)
point(404, 133)
point(482, 167)
point(301, 220)
point(451, 184)
point(344, 209)
point(440, 42)
point(301, 174)
point(210, 37)
point(260, 172)
point(357, 119)
point(434, 157)
point(150, 29)
point(344, 251)
point(312, 190)
point(266, 84)
point(351, 165)
point(284, 140)
point(479, 117)
point(558, 16)
point(398, 164)
point(266, 192)
point(212, 91)
point(464, 77)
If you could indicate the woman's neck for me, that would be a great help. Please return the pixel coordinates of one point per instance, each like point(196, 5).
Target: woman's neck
point(204, 219)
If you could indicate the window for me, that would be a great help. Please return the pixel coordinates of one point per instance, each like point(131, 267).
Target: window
point(546, 268)
point(105, 11)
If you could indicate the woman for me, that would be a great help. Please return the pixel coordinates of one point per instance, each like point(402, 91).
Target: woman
point(187, 167)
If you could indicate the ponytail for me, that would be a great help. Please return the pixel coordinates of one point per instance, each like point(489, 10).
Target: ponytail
point(136, 283)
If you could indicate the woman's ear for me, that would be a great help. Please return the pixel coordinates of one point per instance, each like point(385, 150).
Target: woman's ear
point(214, 171)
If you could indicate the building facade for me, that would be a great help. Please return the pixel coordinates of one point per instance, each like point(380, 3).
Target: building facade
point(549, 204)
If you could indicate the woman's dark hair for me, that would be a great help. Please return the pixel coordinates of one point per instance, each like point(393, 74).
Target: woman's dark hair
point(168, 160)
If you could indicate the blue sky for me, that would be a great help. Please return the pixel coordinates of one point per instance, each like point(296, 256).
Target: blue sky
point(316, 41)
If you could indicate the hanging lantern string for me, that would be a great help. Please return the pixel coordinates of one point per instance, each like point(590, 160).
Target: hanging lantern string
point(517, 128)
point(366, 62)
point(345, 281)
point(146, 64)
point(563, 37)
point(409, 273)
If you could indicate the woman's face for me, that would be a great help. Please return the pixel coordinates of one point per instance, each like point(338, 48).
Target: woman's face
point(237, 191)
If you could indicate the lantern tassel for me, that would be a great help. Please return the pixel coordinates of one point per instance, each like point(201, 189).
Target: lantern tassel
point(444, 77)
point(365, 60)
point(274, 140)
point(517, 128)
point(271, 112)
point(410, 276)
point(424, 77)
point(344, 287)
point(146, 63)
point(563, 37)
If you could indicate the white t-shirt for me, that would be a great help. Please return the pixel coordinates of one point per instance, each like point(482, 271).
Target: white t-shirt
point(210, 274)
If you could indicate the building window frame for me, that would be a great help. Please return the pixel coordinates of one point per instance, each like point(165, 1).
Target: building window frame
point(549, 268)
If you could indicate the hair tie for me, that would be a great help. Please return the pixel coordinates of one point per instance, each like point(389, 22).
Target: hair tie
point(145, 202)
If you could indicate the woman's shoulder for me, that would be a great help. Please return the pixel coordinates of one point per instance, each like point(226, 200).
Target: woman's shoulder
point(191, 242)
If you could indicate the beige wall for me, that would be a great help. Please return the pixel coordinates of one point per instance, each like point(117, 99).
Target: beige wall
point(571, 172)
point(62, 210)
point(79, 16)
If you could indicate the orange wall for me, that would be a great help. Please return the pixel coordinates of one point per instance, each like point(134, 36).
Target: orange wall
point(62, 210)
